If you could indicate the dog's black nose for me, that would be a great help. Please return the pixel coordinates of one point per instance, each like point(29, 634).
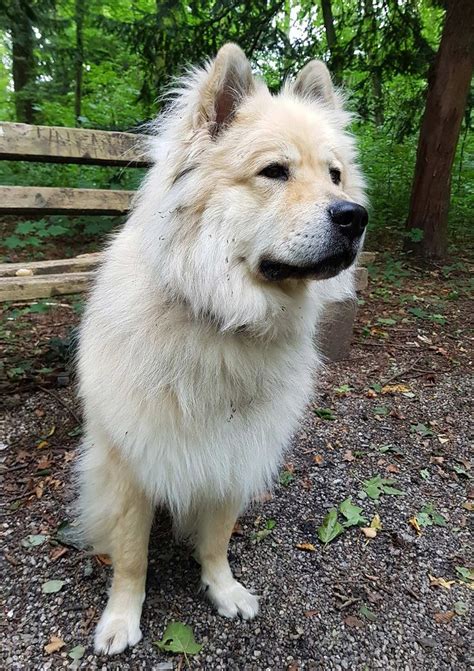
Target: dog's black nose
point(349, 217)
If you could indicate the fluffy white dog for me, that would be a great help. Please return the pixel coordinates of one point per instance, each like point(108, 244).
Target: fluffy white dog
point(196, 351)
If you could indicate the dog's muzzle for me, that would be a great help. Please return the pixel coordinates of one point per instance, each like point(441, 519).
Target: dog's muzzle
point(347, 222)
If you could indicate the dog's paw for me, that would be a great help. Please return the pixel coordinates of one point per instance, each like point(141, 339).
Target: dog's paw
point(115, 632)
point(233, 600)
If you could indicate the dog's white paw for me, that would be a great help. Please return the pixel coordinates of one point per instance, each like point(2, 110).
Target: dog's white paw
point(233, 599)
point(115, 632)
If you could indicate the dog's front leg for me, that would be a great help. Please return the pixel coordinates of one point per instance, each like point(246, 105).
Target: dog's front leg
point(214, 528)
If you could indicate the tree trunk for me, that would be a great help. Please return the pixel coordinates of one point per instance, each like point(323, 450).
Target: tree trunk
point(79, 58)
point(448, 87)
point(331, 38)
point(23, 61)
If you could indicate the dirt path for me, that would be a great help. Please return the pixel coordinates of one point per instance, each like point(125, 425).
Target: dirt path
point(399, 408)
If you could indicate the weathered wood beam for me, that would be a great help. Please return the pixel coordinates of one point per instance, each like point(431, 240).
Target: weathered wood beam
point(52, 200)
point(54, 144)
point(75, 264)
point(43, 286)
point(19, 287)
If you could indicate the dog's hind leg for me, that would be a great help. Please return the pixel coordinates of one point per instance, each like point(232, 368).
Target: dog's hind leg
point(213, 530)
point(117, 517)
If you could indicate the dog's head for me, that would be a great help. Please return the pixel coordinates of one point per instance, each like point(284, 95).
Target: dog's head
point(263, 192)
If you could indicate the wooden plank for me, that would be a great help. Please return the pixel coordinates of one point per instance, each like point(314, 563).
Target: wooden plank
point(48, 284)
point(51, 200)
point(54, 144)
point(43, 286)
point(76, 264)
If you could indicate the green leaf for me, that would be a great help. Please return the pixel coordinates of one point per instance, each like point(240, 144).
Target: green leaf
point(461, 608)
point(378, 485)
point(466, 574)
point(422, 430)
point(52, 586)
point(179, 638)
point(381, 410)
point(425, 474)
point(330, 528)
point(286, 478)
point(351, 513)
point(386, 321)
point(77, 652)
point(325, 413)
point(343, 389)
point(33, 540)
point(367, 613)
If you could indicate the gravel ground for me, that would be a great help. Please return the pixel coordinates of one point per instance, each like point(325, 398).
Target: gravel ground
point(358, 603)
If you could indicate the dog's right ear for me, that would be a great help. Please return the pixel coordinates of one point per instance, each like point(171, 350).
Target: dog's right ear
point(228, 81)
point(314, 83)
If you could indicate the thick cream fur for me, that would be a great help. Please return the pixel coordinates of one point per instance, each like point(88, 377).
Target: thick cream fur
point(193, 369)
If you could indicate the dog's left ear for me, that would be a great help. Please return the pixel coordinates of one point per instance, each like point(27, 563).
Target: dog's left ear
point(314, 83)
point(229, 80)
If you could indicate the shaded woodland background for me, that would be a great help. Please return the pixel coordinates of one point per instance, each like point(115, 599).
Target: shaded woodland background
point(105, 64)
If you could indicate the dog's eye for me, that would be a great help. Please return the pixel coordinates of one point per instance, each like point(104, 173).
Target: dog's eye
point(335, 175)
point(276, 171)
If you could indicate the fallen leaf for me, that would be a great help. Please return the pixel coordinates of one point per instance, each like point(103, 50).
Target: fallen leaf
point(369, 532)
point(348, 456)
point(179, 638)
point(237, 530)
point(353, 621)
point(54, 645)
point(307, 547)
point(52, 586)
point(370, 393)
point(105, 560)
point(352, 513)
point(77, 652)
point(376, 523)
point(42, 444)
point(39, 489)
point(468, 505)
point(440, 582)
point(392, 468)
point(33, 540)
point(367, 613)
point(310, 613)
point(330, 528)
point(318, 459)
point(436, 460)
point(378, 485)
point(461, 608)
point(445, 617)
point(57, 552)
point(395, 389)
point(414, 523)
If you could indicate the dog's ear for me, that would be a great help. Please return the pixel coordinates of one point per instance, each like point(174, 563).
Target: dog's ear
point(229, 80)
point(314, 83)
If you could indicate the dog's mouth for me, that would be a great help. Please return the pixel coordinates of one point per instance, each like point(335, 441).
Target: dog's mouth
point(323, 269)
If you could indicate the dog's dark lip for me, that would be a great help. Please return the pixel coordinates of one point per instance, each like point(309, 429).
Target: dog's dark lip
point(323, 269)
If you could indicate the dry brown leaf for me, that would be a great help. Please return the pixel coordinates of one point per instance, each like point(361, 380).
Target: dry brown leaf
point(376, 522)
point(42, 444)
point(39, 490)
point(307, 547)
point(369, 532)
point(353, 621)
point(445, 617)
point(104, 559)
point(318, 459)
point(237, 530)
point(436, 460)
point(54, 645)
point(395, 389)
point(414, 522)
point(468, 505)
point(348, 456)
point(57, 552)
point(392, 468)
point(310, 613)
point(440, 582)
point(371, 393)
point(44, 462)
